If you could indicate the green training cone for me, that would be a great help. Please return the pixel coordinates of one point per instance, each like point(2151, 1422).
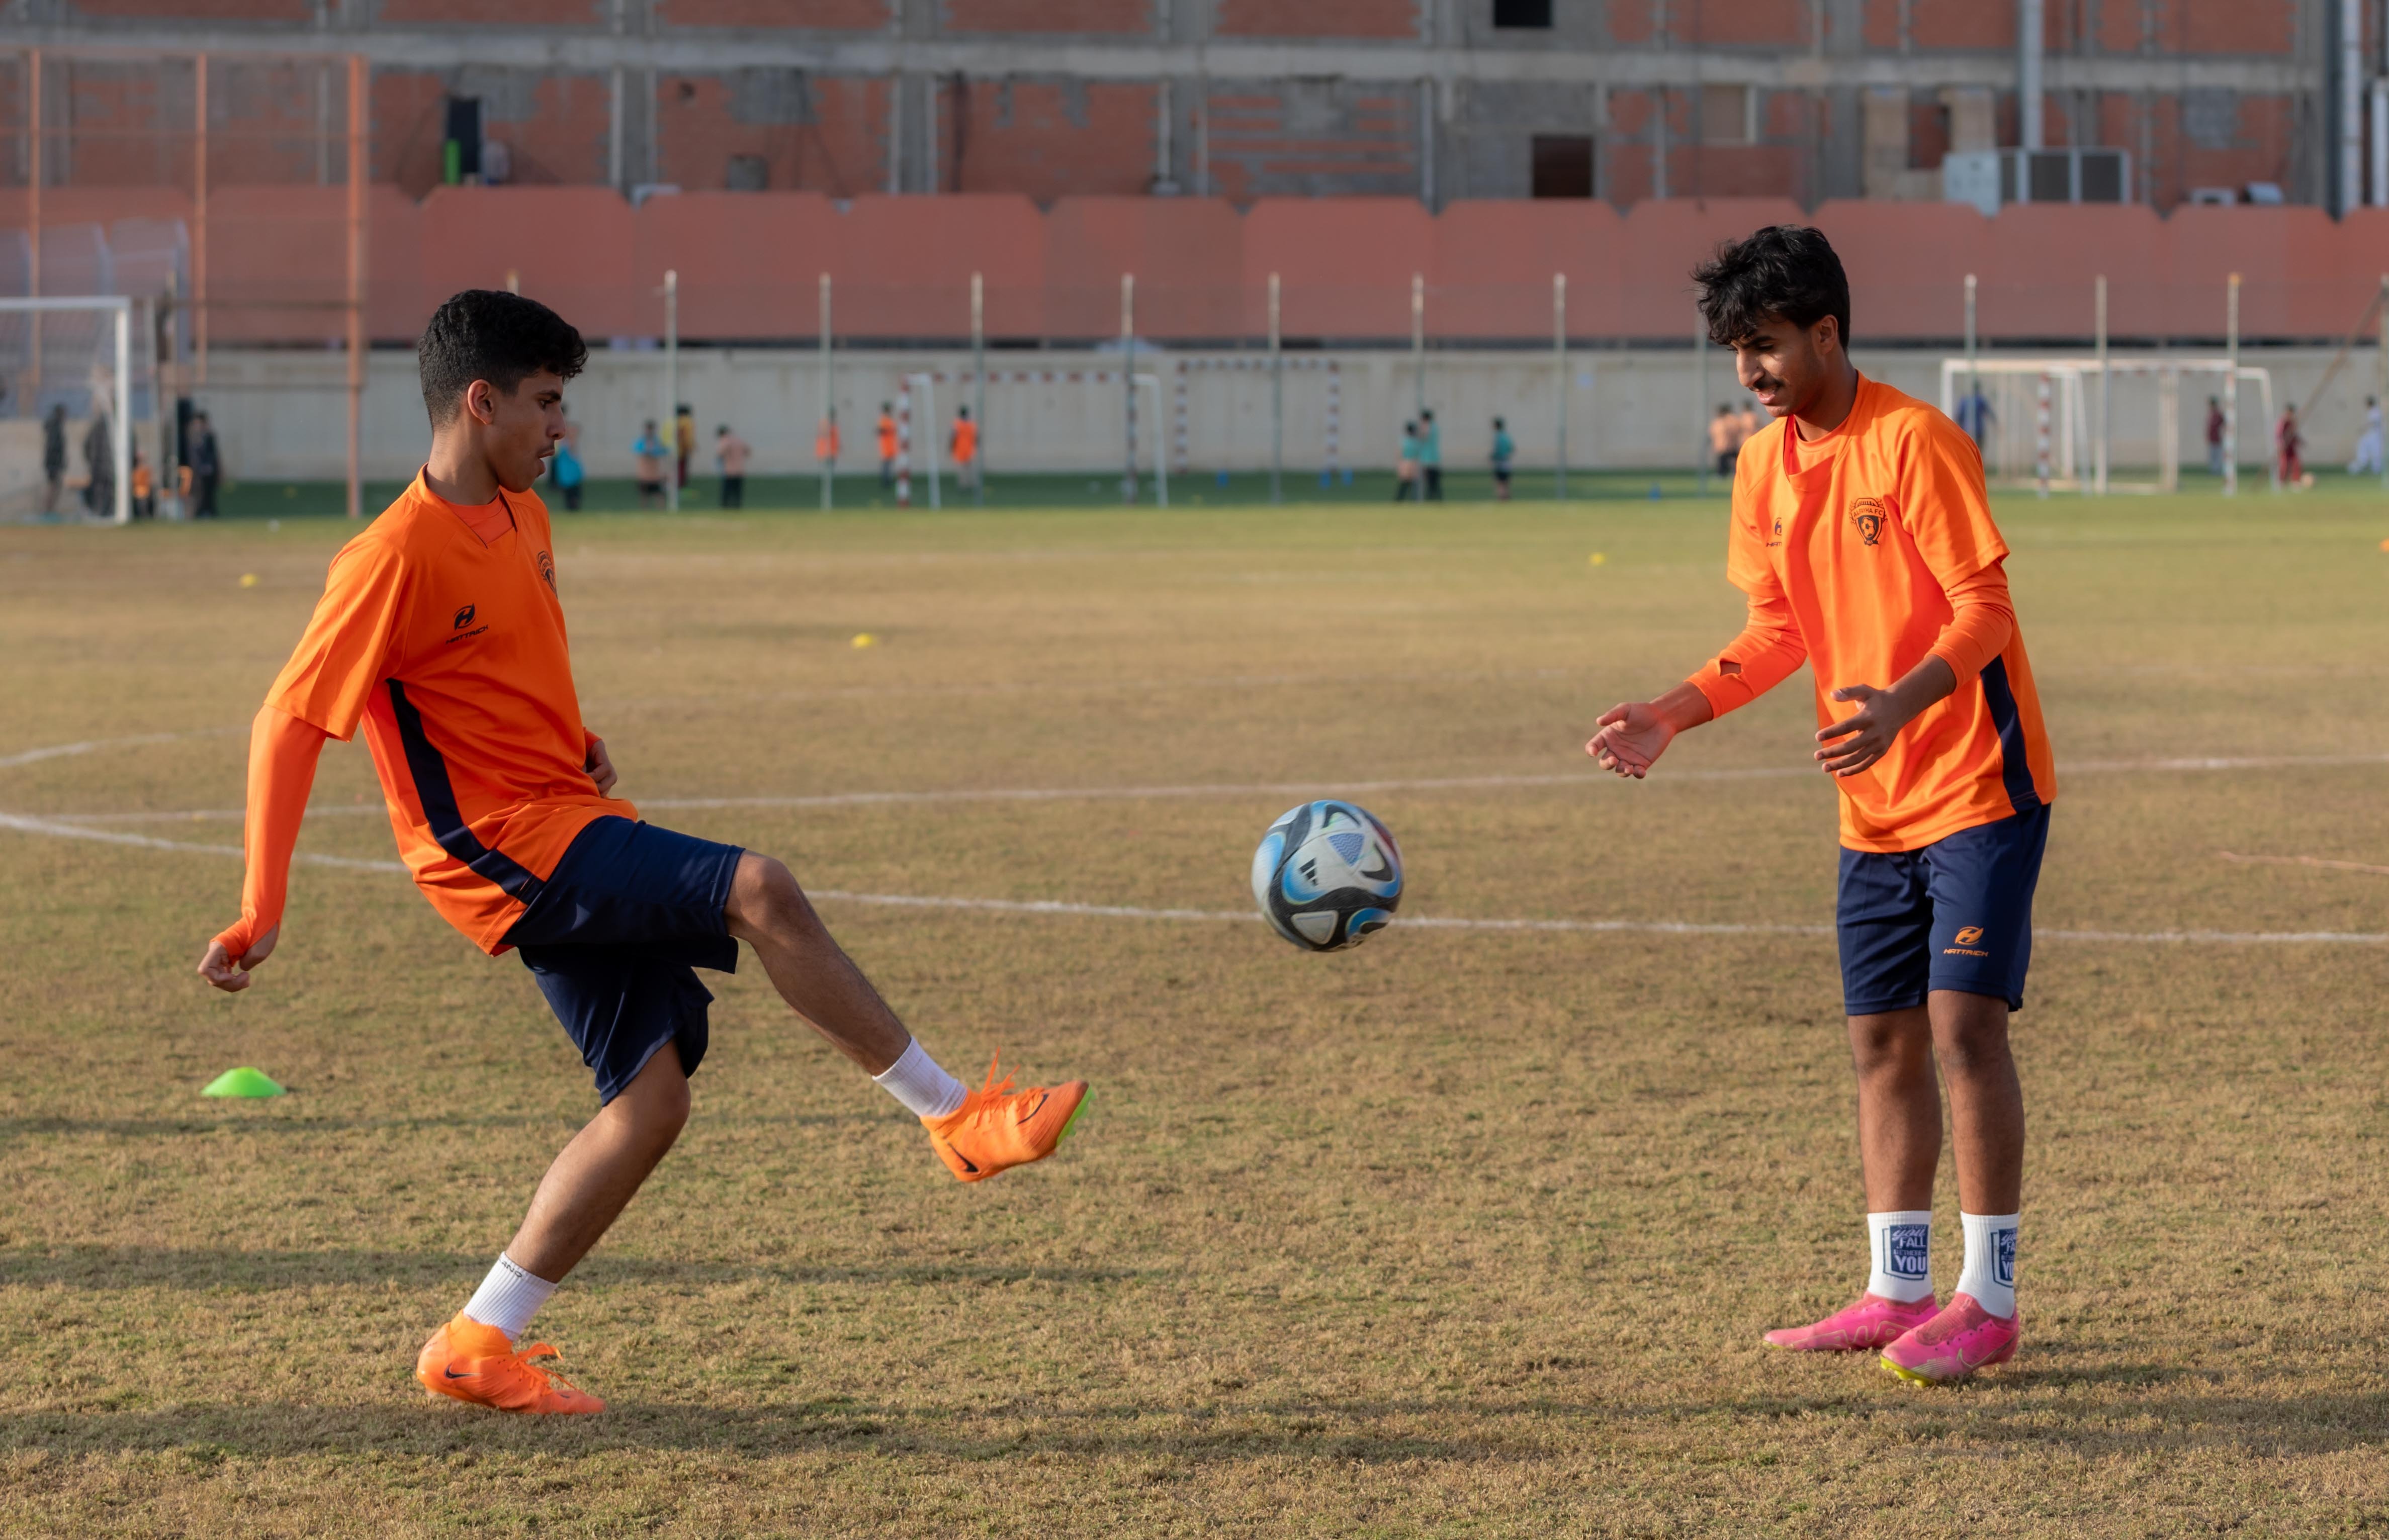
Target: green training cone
point(243, 1081)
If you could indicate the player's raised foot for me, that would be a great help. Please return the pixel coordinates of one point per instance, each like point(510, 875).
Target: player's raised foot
point(476, 1363)
point(1953, 1344)
point(1869, 1321)
point(997, 1127)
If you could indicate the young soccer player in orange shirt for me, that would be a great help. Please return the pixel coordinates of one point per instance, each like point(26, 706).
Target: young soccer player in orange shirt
point(1861, 534)
point(441, 630)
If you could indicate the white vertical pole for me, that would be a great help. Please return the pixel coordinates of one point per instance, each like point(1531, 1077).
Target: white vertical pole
point(671, 389)
point(1128, 377)
point(1277, 396)
point(1559, 384)
point(1973, 375)
point(2105, 442)
point(2380, 143)
point(2380, 390)
point(120, 447)
point(978, 388)
point(2040, 458)
point(1418, 342)
point(929, 414)
point(1701, 397)
point(2231, 388)
point(2029, 37)
point(829, 400)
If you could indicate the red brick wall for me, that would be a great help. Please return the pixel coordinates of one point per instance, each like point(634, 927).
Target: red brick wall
point(1961, 24)
point(2234, 27)
point(1318, 17)
point(1256, 152)
point(1046, 139)
point(1738, 21)
point(1048, 16)
point(855, 16)
point(203, 10)
point(513, 13)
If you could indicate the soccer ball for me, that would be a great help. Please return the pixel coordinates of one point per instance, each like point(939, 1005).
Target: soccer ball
point(1326, 874)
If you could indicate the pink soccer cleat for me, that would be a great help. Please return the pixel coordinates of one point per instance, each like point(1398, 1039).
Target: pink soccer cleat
point(1871, 1320)
point(1953, 1344)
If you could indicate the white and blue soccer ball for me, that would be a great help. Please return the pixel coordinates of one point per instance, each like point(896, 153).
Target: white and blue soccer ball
point(1327, 873)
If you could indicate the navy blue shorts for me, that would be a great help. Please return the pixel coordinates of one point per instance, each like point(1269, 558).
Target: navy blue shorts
point(1955, 915)
point(615, 937)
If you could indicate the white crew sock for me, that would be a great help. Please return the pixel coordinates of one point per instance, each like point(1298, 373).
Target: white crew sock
point(508, 1298)
point(1901, 1242)
point(916, 1080)
point(1989, 1273)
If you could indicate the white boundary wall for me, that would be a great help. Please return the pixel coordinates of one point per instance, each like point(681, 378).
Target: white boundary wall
point(1627, 409)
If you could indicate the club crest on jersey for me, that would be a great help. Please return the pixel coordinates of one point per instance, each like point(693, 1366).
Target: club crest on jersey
point(547, 570)
point(1867, 513)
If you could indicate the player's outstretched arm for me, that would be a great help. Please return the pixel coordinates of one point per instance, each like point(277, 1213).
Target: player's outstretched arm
point(1634, 734)
point(282, 755)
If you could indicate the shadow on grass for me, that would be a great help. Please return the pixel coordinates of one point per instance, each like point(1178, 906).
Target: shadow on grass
point(1374, 1433)
point(113, 1268)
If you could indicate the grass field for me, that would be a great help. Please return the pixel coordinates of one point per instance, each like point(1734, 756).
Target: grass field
point(1467, 1231)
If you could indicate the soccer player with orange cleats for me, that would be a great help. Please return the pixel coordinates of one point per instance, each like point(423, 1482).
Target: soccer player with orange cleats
point(997, 1127)
point(476, 1363)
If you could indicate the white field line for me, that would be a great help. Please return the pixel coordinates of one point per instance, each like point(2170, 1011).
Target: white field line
point(2213, 765)
point(67, 751)
point(2324, 861)
point(1126, 911)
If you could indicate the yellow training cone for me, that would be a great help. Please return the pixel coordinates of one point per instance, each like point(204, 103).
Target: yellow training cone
point(1596, 559)
point(864, 639)
point(249, 579)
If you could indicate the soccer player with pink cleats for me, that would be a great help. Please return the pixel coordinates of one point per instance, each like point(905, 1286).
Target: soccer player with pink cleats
point(1962, 1337)
point(1871, 1320)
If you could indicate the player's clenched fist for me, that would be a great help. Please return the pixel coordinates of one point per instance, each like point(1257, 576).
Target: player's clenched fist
point(220, 968)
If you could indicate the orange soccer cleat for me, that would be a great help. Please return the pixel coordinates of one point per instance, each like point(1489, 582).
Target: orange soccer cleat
point(997, 1127)
point(476, 1363)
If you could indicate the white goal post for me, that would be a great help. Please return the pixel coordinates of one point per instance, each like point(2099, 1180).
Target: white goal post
point(109, 377)
point(2052, 423)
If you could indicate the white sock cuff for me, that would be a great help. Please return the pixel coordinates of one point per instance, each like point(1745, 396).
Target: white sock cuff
point(509, 1297)
point(1990, 1271)
point(1899, 1243)
point(920, 1083)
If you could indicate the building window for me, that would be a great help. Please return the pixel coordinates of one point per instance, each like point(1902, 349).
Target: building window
point(1522, 14)
point(1725, 115)
point(1563, 165)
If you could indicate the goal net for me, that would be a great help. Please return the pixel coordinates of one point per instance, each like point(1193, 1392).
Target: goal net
point(2056, 423)
point(67, 375)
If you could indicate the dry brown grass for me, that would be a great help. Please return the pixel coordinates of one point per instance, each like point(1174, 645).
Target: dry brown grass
point(1462, 1232)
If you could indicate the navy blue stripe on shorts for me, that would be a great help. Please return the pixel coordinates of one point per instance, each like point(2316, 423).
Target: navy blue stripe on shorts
point(1956, 914)
point(615, 937)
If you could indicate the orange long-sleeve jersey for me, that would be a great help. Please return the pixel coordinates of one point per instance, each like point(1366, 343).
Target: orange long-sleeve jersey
point(1861, 554)
point(440, 630)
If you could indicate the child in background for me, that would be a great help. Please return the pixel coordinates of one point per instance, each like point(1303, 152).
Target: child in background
point(1505, 450)
point(1406, 463)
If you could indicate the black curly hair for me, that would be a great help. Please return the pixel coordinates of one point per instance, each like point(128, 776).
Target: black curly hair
point(490, 333)
point(1783, 269)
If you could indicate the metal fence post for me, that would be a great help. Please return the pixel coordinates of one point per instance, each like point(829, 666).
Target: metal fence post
point(1559, 385)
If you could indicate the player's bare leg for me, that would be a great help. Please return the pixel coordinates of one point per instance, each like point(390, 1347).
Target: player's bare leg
point(595, 1177)
point(1900, 1108)
point(976, 1133)
point(771, 913)
point(1980, 1326)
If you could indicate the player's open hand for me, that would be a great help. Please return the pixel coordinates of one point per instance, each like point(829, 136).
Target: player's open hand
point(1854, 743)
point(1632, 737)
point(219, 968)
point(600, 767)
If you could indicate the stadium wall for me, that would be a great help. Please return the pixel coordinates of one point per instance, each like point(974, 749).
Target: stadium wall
point(749, 264)
point(278, 413)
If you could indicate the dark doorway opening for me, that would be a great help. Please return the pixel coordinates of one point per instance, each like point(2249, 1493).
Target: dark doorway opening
point(1563, 165)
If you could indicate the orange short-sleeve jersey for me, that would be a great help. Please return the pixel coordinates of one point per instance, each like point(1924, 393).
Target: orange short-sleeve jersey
point(1862, 533)
point(451, 648)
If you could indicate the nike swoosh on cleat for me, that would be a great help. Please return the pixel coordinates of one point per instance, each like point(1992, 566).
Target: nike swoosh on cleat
point(1034, 1110)
point(969, 1166)
point(454, 1375)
